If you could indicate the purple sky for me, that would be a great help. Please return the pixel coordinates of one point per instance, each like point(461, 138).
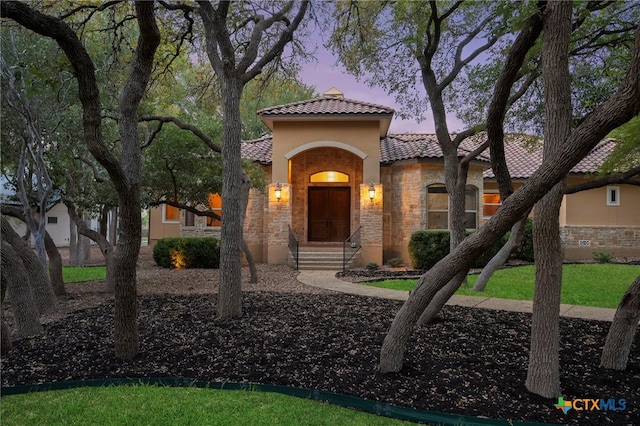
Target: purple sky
point(326, 73)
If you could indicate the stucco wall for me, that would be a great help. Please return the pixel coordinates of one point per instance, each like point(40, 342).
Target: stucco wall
point(590, 207)
point(158, 229)
point(362, 137)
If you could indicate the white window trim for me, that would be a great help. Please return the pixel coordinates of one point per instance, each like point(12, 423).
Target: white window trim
point(610, 190)
point(164, 215)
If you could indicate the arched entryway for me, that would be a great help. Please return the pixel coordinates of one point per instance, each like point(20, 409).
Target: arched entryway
point(325, 194)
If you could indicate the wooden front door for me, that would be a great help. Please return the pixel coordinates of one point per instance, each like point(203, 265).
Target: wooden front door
point(329, 213)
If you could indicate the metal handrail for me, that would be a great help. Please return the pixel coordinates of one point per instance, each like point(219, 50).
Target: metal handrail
point(350, 247)
point(294, 246)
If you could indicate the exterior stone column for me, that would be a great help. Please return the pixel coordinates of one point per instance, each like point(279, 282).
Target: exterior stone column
point(278, 219)
point(371, 224)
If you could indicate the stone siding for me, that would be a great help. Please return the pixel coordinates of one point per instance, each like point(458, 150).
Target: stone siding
point(581, 242)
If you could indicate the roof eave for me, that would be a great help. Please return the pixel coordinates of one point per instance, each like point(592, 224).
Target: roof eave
point(383, 118)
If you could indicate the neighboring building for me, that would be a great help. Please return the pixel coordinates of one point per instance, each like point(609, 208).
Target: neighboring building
point(57, 216)
point(336, 173)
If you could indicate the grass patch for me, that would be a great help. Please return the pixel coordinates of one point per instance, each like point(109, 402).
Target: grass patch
point(582, 284)
point(72, 274)
point(159, 405)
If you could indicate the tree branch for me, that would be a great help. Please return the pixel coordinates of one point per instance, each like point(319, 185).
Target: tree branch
point(193, 129)
point(619, 178)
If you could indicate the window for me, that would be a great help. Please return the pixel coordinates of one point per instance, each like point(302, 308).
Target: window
point(189, 218)
point(490, 204)
point(329, 176)
point(52, 219)
point(471, 207)
point(215, 205)
point(170, 214)
point(613, 195)
point(438, 207)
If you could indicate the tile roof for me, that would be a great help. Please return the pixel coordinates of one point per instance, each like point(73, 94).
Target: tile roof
point(411, 145)
point(523, 154)
point(258, 149)
point(325, 105)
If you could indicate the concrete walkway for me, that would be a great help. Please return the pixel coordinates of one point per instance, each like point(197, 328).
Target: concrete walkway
point(328, 280)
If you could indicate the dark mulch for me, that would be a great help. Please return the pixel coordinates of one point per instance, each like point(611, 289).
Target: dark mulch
point(471, 362)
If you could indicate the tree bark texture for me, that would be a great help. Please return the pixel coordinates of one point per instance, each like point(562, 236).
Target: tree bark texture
point(73, 243)
point(456, 182)
point(617, 110)
point(126, 335)
point(235, 64)
point(5, 334)
point(617, 347)
point(543, 373)
point(16, 281)
point(502, 256)
point(246, 187)
point(55, 265)
point(230, 291)
point(55, 260)
point(43, 296)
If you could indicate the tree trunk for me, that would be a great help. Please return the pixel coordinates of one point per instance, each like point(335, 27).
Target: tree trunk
point(230, 290)
point(126, 337)
point(617, 110)
point(55, 260)
point(113, 226)
point(617, 347)
point(456, 179)
point(16, 281)
point(106, 248)
point(43, 295)
point(55, 265)
point(104, 216)
point(5, 333)
point(73, 244)
point(246, 187)
point(502, 256)
point(441, 298)
point(543, 373)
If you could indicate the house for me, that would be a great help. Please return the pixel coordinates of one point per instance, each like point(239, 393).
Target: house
point(340, 179)
point(57, 216)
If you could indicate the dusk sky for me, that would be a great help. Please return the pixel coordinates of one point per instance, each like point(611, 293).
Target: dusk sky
point(326, 72)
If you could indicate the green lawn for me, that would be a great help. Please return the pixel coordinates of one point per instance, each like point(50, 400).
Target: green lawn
point(90, 273)
point(599, 285)
point(157, 405)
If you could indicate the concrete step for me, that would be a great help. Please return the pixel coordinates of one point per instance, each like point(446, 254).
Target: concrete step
point(321, 258)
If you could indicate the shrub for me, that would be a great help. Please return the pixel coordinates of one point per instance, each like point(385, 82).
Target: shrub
point(525, 251)
point(372, 266)
point(187, 253)
point(396, 262)
point(426, 248)
point(602, 257)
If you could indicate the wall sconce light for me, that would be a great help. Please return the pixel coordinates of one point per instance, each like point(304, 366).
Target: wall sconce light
point(278, 191)
point(372, 192)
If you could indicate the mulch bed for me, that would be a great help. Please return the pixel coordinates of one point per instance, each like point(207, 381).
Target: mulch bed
point(471, 361)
